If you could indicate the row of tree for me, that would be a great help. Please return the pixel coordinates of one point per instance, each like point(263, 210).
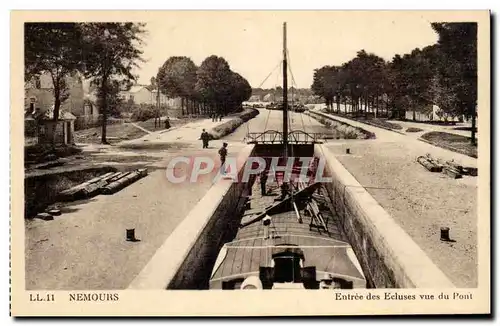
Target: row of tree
point(444, 74)
point(106, 53)
point(211, 88)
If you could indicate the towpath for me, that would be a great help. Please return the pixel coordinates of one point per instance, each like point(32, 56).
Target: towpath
point(420, 201)
point(85, 247)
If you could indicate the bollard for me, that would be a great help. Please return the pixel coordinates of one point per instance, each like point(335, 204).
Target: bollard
point(445, 234)
point(348, 151)
point(131, 235)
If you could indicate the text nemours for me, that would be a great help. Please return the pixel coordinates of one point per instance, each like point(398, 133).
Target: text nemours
point(94, 297)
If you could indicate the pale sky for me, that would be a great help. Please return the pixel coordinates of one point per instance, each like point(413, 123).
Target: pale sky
point(252, 41)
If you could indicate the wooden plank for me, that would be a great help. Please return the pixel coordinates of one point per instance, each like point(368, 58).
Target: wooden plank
point(452, 172)
point(428, 164)
point(238, 261)
point(247, 258)
point(228, 263)
point(300, 195)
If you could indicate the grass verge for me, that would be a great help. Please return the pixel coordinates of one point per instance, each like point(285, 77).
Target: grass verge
point(456, 143)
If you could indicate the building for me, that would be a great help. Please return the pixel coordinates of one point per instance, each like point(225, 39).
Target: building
point(255, 98)
point(39, 94)
point(39, 107)
point(432, 113)
point(141, 94)
point(40, 125)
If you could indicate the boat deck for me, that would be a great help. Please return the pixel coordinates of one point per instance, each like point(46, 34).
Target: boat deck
point(326, 250)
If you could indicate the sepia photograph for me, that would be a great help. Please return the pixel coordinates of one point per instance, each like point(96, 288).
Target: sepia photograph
point(333, 155)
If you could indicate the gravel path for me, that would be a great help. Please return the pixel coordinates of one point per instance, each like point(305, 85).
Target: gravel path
point(421, 202)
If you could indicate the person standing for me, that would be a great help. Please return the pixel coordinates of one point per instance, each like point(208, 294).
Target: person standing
point(204, 138)
point(263, 180)
point(223, 155)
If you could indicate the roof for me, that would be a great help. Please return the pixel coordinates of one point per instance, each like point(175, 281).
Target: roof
point(136, 88)
point(328, 252)
point(49, 114)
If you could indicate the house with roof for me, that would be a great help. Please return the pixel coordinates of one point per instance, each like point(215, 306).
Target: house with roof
point(39, 94)
point(39, 107)
point(40, 125)
point(143, 94)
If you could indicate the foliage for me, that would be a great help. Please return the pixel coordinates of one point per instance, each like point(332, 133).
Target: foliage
point(444, 74)
point(457, 71)
point(413, 129)
point(52, 48)
point(177, 77)
point(111, 52)
point(144, 112)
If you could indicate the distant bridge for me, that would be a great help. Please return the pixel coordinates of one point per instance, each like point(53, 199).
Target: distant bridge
point(276, 137)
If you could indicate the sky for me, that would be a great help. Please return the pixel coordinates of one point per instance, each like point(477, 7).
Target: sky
point(252, 42)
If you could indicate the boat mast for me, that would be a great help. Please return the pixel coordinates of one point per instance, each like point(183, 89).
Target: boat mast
point(285, 95)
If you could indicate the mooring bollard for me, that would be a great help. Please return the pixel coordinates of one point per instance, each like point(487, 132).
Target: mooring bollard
point(445, 234)
point(348, 151)
point(131, 235)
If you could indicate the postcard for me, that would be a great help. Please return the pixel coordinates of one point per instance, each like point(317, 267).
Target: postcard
point(334, 162)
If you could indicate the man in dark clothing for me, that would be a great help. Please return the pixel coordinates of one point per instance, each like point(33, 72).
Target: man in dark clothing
point(263, 180)
point(223, 154)
point(205, 138)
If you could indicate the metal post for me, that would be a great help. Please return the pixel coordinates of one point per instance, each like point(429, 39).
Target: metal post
point(285, 95)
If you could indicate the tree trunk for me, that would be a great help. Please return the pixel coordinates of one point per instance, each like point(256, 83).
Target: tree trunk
point(104, 91)
point(57, 106)
point(367, 104)
point(473, 128)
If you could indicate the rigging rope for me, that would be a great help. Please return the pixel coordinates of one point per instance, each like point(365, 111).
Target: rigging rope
point(260, 85)
point(294, 85)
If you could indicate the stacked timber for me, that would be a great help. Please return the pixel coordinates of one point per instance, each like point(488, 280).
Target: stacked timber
point(108, 183)
point(429, 163)
point(80, 191)
point(450, 168)
point(124, 181)
point(452, 171)
point(462, 169)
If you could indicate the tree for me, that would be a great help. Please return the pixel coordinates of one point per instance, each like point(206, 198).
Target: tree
point(241, 90)
point(177, 78)
point(111, 51)
point(457, 74)
point(111, 99)
point(326, 83)
point(52, 48)
point(213, 84)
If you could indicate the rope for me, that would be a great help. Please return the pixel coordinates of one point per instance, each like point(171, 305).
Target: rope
point(278, 65)
point(260, 85)
point(294, 84)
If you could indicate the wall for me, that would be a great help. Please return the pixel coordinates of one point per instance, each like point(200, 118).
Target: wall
point(388, 255)
point(346, 130)
point(186, 258)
